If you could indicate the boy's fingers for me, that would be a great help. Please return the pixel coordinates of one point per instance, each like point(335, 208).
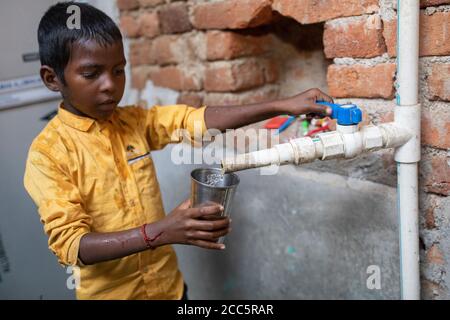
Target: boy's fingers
point(185, 204)
point(212, 217)
point(208, 244)
point(207, 210)
point(220, 233)
point(210, 236)
point(321, 109)
point(211, 225)
point(321, 96)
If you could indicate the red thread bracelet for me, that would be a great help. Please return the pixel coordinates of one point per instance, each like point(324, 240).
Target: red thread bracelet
point(148, 241)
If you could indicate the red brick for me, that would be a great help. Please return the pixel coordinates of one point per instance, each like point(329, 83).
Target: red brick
point(434, 255)
point(162, 51)
point(264, 94)
point(149, 24)
point(150, 3)
point(139, 77)
point(229, 45)
point(127, 4)
point(362, 81)
point(222, 99)
point(435, 173)
point(232, 14)
point(434, 36)
point(312, 11)
point(129, 26)
point(439, 82)
point(271, 70)
point(253, 96)
point(427, 206)
point(191, 99)
point(234, 76)
point(430, 290)
point(436, 128)
point(175, 78)
point(140, 53)
point(172, 49)
point(390, 36)
point(358, 38)
point(174, 18)
point(430, 3)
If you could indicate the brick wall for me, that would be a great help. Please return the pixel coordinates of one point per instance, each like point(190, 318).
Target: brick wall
point(242, 51)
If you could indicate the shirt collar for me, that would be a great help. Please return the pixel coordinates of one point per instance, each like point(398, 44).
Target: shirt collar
point(79, 122)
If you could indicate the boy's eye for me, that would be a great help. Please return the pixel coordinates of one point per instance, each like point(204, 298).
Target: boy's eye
point(120, 71)
point(89, 75)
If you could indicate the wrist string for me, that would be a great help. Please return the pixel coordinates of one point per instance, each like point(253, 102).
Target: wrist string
point(148, 241)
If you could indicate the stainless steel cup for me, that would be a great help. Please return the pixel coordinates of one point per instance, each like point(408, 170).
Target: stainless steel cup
point(219, 189)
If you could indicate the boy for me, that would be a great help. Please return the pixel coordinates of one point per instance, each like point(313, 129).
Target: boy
point(91, 174)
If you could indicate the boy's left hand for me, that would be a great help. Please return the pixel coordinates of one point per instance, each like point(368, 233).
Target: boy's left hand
point(305, 103)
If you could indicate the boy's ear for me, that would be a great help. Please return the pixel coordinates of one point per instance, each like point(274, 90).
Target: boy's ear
point(50, 79)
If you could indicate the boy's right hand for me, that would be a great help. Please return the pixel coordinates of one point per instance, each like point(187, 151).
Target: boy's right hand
point(186, 225)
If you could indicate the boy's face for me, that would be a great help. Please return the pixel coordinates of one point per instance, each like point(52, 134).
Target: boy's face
point(95, 79)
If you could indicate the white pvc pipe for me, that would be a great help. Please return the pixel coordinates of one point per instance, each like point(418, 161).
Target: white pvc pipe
point(346, 143)
point(409, 238)
point(407, 115)
point(408, 51)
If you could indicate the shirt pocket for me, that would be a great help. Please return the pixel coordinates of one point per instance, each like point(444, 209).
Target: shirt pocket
point(144, 172)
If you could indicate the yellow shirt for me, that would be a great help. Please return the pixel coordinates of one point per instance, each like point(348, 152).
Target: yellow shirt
point(91, 176)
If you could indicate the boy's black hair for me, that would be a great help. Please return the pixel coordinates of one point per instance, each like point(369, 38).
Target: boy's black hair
point(56, 39)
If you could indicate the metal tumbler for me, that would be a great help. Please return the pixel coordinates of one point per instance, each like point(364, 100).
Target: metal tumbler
point(209, 186)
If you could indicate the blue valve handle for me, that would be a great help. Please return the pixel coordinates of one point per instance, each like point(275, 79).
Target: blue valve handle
point(345, 114)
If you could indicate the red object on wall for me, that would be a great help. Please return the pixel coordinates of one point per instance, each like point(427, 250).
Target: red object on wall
point(276, 122)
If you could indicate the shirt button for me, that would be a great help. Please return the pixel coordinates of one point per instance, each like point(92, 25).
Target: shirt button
point(132, 203)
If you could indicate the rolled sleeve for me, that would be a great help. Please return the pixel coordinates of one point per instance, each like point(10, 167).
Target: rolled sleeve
point(170, 124)
point(59, 205)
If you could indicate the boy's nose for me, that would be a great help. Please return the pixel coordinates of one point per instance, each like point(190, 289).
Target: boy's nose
point(107, 84)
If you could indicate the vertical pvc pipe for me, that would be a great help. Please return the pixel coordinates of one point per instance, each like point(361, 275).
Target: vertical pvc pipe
point(409, 231)
point(408, 52)
point(407, 115)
